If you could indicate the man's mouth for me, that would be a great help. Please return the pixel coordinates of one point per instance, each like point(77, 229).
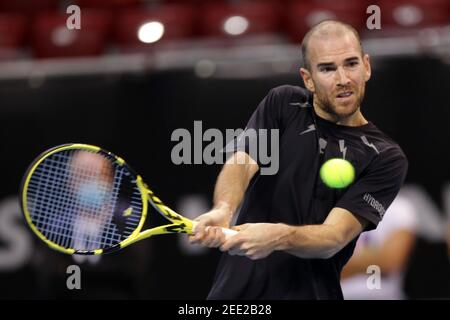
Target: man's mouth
point(345, 94)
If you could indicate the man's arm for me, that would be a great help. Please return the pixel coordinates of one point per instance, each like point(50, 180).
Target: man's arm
point(233, 180)
point(325, 240)
point(258, 240)
point(229, 191)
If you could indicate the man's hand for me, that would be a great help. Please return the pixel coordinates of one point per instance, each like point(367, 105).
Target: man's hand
point(208, 230)
point(255, 240)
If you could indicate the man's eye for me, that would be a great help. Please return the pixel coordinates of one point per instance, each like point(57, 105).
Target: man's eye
point(353, 63)
point(326, 69)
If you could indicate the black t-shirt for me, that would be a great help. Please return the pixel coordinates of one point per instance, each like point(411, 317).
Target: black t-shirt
point(297, 196)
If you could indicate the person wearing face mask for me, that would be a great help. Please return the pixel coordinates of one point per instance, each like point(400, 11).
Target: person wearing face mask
point(91, 183)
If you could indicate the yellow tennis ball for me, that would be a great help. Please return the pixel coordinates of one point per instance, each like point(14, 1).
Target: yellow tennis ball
point(337, 173)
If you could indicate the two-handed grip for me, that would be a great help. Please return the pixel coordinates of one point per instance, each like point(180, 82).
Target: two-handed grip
point(228, 232)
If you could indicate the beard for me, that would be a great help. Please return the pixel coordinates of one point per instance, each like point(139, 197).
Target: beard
point(338, 112)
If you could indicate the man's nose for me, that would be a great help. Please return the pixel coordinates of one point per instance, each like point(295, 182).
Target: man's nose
point(342, 78)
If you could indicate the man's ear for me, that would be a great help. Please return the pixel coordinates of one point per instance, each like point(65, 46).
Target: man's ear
point(368, 68)
point(307, 79)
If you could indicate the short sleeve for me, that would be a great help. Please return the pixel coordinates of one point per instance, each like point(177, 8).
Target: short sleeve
point(267, 114)
point(374, 191)
point(261, 131)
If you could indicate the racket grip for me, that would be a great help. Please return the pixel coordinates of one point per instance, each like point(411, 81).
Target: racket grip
point(228, 232)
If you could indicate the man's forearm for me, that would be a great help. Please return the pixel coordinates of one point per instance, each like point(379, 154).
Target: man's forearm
point(233, 181)
point(310, 242)
point(322, 240)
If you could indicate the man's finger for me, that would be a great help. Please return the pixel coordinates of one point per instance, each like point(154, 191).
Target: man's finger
point(231, 243)
point(199, 228)
point(210, 238)
point(241, 227)
point(219, 237)
point(199, 231)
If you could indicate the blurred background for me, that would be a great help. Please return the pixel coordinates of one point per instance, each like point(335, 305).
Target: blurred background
point(137, 70)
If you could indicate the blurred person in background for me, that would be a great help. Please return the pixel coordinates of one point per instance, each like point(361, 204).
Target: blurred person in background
point(295, 233)
point(389, 247)
point(91, 182)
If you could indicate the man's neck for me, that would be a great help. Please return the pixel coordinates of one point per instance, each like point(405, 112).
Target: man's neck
point(354, 120)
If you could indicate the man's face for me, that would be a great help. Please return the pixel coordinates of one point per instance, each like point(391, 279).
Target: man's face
point(338, 74)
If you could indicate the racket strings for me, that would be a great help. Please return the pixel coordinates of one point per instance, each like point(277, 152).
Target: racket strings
point(59, 189)
point(72, 197)
point(55, 225)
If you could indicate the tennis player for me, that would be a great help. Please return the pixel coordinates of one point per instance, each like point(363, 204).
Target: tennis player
point(296, 234)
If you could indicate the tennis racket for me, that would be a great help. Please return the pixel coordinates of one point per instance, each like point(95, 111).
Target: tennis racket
point(81, 199)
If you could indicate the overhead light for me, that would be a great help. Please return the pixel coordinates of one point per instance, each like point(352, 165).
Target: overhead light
point(236, 25)
point(408, 15)
point(63, 37)
point(205, 68)
point(151, 32)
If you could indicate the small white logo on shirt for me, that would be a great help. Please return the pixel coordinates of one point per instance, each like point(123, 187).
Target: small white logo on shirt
point(301, 105)
point(322, 145)
point(369, 144)
point(311, 128)
point(342, 148)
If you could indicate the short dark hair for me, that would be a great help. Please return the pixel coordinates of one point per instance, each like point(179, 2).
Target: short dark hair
point(320, 28)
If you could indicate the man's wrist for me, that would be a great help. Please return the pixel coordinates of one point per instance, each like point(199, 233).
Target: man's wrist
point(222, 205)
point(225, 207)
point(285, 240)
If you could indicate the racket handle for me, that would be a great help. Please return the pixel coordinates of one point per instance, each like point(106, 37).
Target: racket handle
point(228, 232)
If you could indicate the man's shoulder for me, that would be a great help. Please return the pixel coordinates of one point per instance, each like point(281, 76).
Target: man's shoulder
point(291, 92)
point(289, 100)
point(388, 148)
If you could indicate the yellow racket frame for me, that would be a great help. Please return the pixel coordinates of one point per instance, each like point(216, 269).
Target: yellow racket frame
point(179, 223)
